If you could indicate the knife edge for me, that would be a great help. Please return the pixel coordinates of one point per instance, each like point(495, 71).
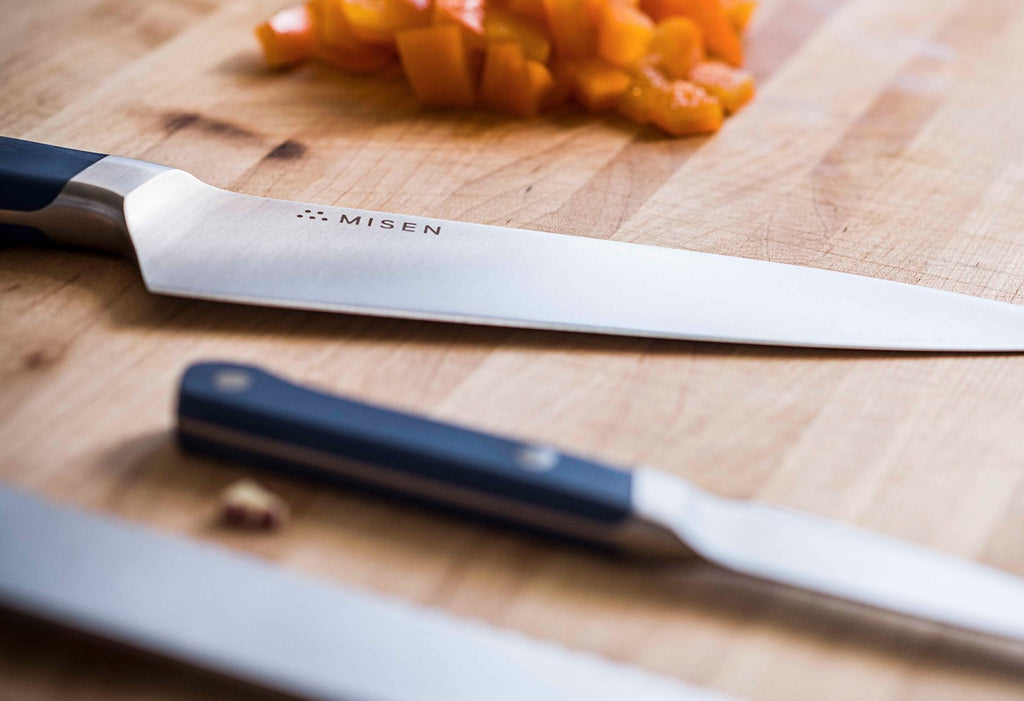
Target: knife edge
point(831, 558)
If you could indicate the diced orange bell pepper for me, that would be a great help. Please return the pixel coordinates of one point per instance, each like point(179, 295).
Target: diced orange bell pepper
point(677, 46)
point(634, 104)
point(338, 47)
point(329, 22)
point(562, 79)
point(505, 83)
point(682, 108)
point(595, 12)
point(502, 25)
point(720, 37)
point(598, 85)
point(377, 21)
point(572, 30)
point(437, 64)
point(734, 87)
point(529, 9)
point(468, 14)
point(287, 37)
point(542, 83)
point(624, 35)
point(647, 58)
point(739, 12)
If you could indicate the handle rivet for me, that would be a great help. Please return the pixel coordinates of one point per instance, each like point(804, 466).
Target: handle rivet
point(232, 381)
point(537, 458)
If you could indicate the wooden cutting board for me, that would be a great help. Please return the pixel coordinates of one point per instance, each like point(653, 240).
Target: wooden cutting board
point(886, 140)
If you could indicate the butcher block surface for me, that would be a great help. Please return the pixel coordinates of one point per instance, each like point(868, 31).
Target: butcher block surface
point(887, 139)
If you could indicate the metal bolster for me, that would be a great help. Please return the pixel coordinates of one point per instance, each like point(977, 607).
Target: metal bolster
point(89, 211)
point(659, 502)
point(640, 536)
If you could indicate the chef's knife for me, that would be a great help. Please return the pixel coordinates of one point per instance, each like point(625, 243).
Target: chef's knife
point(244, 412)
point(194, 240)
point(247, 620)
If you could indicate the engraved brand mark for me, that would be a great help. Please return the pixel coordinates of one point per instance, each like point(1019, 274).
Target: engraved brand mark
point(409, 225)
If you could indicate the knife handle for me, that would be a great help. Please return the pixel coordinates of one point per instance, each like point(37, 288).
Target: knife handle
point(242, 412)
point(33, 174)
point(55, 195)
point(31, 177)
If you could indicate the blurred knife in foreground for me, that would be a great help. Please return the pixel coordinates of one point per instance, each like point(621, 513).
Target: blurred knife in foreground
point(243, 412)
point(194, 240)
point(250, 621)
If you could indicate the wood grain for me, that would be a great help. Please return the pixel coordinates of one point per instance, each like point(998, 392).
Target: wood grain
point(886, 140)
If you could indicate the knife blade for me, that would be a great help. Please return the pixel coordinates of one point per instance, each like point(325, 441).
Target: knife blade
point(248, 620)
point(243, 412)
point(193, 240)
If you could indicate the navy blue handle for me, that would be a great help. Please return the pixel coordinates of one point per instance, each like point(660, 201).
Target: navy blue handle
point(243, 412)
point(15, 235)
point(33, 174)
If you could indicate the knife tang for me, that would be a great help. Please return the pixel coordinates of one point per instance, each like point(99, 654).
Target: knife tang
point(56, 195)
point(243, 412)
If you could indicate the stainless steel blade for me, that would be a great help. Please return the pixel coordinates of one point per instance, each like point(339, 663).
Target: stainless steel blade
point(194, 240)
point(834, 559)
point(240, 617)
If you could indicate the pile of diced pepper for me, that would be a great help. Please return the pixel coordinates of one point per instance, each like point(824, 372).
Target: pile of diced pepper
point(675, 64)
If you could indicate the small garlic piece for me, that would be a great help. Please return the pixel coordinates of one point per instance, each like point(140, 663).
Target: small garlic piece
point(248, 504)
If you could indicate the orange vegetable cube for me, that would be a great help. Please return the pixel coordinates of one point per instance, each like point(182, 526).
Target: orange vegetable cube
point(338, 47)
point(720, 37)
point(594, 11)
point(505, 83)
point(624, 35)
point(437, 65)
point(572, 30)
point(501, 25)
point(542, 83)
point(682, 108)
point(739, 12)
point(562, 82)
point(329, 22)
point(677, 46)
point(376, 21)
point(529, 9)
point(734, 87)
point(287, 37)
point(634, 104)
point(468, 14)
point(598, 85)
